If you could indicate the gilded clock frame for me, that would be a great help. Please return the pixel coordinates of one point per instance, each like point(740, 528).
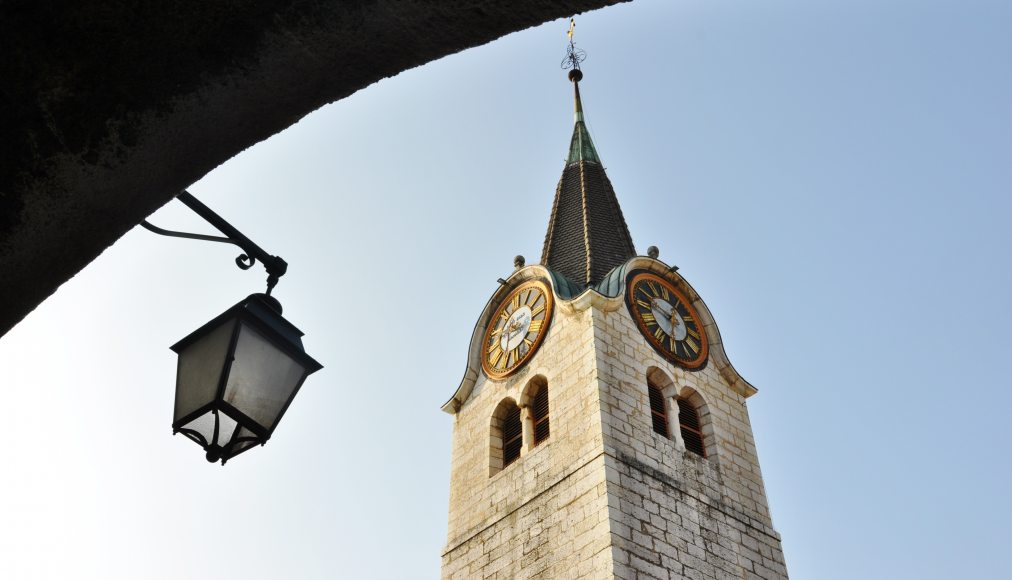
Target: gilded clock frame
point(546, 290)
point(695, 364)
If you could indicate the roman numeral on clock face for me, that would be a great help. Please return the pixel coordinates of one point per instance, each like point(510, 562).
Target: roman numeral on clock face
point(692, 345)
point(494, 357)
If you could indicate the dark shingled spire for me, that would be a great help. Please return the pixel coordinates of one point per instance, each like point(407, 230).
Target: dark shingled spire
point(587, 235)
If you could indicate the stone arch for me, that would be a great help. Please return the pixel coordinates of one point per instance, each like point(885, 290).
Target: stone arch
point(527, 394)
point(661, 379)
point(503, 444)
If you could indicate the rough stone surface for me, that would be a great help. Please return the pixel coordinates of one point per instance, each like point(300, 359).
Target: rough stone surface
point(605, 496)
point(547, 512)
point(108, 108)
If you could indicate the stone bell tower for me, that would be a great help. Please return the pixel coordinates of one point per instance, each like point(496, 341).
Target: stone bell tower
point(599, 430)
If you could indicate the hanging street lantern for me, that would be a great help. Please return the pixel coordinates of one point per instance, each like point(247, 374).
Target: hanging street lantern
point(237, 374)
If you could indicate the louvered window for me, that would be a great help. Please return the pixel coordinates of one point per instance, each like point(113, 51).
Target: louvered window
point(692, 433)
point(540, 415)
point(512, 436)
point(658, 410)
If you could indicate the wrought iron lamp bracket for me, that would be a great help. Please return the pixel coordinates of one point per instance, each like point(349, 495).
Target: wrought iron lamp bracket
point(275, 265)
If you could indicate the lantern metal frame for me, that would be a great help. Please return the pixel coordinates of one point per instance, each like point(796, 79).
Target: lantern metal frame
point(262, 313)
point(259, 312)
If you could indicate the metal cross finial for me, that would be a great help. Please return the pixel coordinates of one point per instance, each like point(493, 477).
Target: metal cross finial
point(574, 56)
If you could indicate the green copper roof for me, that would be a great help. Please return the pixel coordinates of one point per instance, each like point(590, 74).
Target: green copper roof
point(581, 148)
point(612, 284)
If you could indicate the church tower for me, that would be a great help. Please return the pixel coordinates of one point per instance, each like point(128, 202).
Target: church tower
point(599, 429)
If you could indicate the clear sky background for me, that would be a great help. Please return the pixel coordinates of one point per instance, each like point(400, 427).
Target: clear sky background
point(832, 177)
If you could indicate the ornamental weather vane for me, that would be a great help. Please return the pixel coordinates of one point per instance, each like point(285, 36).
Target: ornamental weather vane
point(574, 56)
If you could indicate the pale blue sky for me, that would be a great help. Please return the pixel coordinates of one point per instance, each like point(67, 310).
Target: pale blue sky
point(832, 177)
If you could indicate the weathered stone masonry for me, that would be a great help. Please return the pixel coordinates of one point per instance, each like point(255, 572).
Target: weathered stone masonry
point(605, 496)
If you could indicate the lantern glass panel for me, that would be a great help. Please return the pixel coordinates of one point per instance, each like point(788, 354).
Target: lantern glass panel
point(263, 378)
point(226, 428)
point(240, 446)
point(203, 426)
point(200, 367)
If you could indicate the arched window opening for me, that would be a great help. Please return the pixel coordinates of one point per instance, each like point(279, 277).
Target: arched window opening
point(658, 410)
point(539, 412)
point(512, 435)
point(505, 436)
point(691, 429)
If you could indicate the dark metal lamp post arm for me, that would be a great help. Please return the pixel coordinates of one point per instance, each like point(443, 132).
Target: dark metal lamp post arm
point(275, 266)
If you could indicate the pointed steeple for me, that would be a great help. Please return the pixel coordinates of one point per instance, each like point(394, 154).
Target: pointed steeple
point(587, 235)
point(581, 148)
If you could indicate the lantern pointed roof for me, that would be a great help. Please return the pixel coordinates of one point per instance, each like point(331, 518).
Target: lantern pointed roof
point(587, 235)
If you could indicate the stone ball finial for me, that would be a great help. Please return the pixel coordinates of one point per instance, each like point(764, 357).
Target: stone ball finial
point(653, 252)
point(519, 261)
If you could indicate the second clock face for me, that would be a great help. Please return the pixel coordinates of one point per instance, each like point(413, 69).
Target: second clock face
point(516, 329)
point(667, 319)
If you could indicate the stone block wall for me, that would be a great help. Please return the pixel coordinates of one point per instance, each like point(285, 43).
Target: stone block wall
point(673, 513)
point(546, 513)
point(605, 496)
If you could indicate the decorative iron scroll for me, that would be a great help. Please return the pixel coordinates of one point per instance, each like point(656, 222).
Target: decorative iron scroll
point(275, 265)
point(574, 56)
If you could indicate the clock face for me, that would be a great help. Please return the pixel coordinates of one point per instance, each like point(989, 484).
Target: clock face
point(516, 330)
point(667, 320)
